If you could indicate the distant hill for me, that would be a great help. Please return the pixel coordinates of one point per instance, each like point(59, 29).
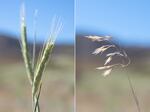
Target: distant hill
point(10, 50)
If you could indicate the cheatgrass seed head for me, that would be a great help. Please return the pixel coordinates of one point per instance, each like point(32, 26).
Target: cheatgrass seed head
point(110, 55)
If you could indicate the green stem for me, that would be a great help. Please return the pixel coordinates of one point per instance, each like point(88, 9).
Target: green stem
point(36, 101)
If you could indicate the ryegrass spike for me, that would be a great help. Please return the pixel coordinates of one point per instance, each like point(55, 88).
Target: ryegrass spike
point(41, 66)
point(24, 47)
point(44, 55)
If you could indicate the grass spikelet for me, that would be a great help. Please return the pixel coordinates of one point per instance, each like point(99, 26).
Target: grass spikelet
point(107, 72)
point(24, 46)
point(102, 49)
point(47, 49)
point(41, 66)
point(104, 67)
point(108, 60)
point(114, 53)
point(98, 38)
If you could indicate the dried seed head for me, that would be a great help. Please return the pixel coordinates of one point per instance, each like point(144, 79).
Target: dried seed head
point(104, 67)
point(107, 72)
point(108, 60)
point(110, 56)
point(95, 38)
point(98, 38)
point(114, 53)
point(102, 49)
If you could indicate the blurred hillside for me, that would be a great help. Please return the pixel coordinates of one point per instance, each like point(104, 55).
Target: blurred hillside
point(10, 50)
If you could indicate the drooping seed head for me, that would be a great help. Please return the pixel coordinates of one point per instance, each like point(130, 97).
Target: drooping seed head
point(110, 55)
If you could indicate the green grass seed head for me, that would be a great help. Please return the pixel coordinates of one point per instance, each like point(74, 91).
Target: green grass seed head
point(44, 55)
point(25, 50)
point(35, 69)
point(41, 66)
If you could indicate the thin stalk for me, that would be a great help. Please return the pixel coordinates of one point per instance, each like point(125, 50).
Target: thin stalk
point(134, 94)
point(36, 107)
point(36, 100)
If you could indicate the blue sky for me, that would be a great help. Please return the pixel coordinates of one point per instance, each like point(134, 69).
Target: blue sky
point(47, 9)
point(126, 20)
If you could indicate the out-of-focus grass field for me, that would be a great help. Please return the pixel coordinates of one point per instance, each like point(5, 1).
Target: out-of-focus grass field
point(96, 93)
point(57, 91)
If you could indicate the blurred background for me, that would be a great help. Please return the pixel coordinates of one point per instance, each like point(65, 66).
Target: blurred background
point(127, 21)
point(57, 90)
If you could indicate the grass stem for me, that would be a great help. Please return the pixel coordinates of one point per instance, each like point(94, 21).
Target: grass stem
point(134, 94)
